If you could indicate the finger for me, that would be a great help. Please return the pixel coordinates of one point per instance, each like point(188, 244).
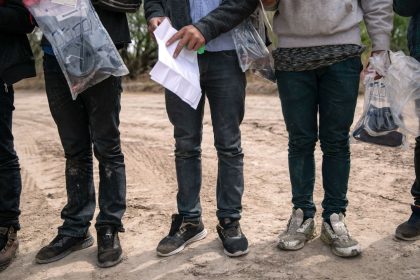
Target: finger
point(192, 43)
point(180, 46)
point(151, 28)
point(197, 46)
point(175, 38)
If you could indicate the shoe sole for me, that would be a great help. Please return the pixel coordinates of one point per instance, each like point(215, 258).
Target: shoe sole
point(354, 252)
point(109, 263)
point(237, 254)
point(296, 248)
point(197, 237)
point(86, 244)
point(400, 237)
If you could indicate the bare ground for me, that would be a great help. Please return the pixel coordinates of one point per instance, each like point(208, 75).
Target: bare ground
point(379, 200)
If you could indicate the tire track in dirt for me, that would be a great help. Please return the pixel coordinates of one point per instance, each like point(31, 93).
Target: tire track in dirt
point(378, 192)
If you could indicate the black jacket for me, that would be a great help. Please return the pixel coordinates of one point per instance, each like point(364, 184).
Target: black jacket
point(16, 58)
point(115, 23)
point(228, 15)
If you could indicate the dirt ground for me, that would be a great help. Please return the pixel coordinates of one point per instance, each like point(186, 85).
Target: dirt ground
point(379, 200)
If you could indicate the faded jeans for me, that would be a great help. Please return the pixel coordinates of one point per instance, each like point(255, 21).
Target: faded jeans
point(223, 82)
point(92, 120)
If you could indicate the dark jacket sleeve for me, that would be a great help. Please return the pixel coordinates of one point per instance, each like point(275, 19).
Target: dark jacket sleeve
point(153, 8)
point(407, 8)
point(14, 18)
point(226, 17)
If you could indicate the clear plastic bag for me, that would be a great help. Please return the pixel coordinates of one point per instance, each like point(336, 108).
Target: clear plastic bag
point(82, 45)
point(377, 124)
point(402, 78)
point(250, 43)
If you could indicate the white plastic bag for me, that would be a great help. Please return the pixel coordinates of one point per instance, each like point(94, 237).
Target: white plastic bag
point(81, 44)
point(403, 80)
point(377, 124)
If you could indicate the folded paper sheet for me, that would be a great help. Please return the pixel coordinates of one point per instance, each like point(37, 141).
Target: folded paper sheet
point(180, 75)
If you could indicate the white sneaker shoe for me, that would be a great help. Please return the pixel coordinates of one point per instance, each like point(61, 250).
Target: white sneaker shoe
point(338, 237)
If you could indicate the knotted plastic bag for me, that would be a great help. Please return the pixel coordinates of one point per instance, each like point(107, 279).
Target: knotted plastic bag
point(81, 44)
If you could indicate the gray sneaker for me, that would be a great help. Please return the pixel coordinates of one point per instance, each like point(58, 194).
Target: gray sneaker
point(298, 232)
point(338, 237)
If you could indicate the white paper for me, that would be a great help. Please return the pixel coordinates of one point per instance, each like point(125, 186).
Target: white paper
point(180, 75)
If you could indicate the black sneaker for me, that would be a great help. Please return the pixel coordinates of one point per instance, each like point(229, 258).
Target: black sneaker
point(410, 230)
point(62, 246)
point(234, 241)
point(109, 247)
point(9, 245)
point(183, 232)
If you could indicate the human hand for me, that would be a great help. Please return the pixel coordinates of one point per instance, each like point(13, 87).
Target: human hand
point(369, 71)
point(190, 37)
point(154, 23)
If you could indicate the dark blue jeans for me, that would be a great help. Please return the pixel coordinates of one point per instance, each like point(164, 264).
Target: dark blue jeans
point(329, 93)
point(10, 179)
point(223, 82)
point(91, 120)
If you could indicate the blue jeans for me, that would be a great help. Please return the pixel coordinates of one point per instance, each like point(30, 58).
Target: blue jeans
point(330, 93)
point(223, 82)
point(10, 179)
point(91, 120)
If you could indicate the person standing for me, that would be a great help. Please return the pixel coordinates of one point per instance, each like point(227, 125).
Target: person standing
point(207, 22)
point(318, 69)
point(92, 120)
point(16, 63)
point(410, 230)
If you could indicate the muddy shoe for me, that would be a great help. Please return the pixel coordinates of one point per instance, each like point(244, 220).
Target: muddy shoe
point(62, 246)
point(410, 230)
point(235, 243)
point(298, 232)
point(109, 247)
point(183, 232)
point(9, 245)
point(338, 237)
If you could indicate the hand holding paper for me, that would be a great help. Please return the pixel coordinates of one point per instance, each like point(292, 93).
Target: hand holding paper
point(181, 75)
point(190, 37)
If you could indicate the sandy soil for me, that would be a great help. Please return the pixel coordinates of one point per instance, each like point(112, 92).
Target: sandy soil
point(379, 200)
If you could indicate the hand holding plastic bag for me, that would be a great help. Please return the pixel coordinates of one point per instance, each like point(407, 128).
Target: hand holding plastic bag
point(81, 44)
point(402, 78)
point(377, 124)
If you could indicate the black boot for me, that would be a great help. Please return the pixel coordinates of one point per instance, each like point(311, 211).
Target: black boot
point(62, 246)
point(9, 245)
point(410, 230)
point(183, 232)
point(109, 247)
point(234, 241)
